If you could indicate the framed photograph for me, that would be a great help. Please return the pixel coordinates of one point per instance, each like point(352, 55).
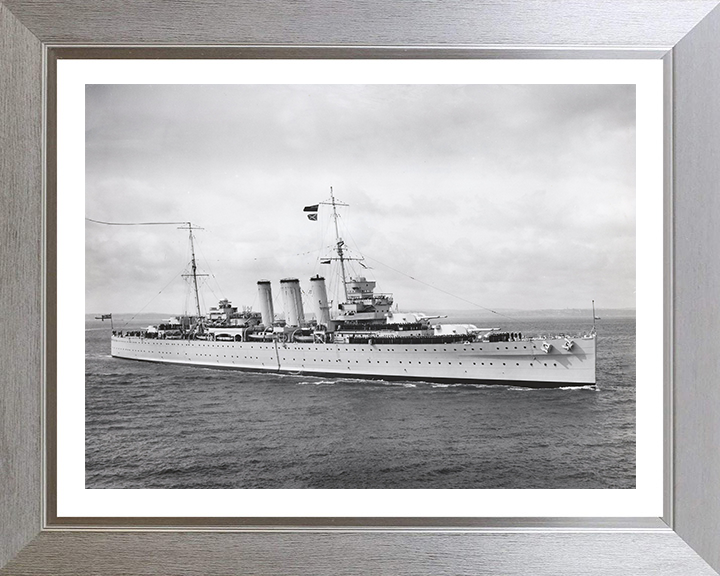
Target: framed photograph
point(320, 353)
point(355, 202)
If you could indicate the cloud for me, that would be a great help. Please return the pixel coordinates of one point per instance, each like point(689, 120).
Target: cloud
point(519, 196)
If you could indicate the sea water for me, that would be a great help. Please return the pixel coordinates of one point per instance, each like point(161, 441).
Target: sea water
point(154, 425)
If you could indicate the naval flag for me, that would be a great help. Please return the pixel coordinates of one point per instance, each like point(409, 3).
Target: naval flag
point(104, 317)
point(313, 211)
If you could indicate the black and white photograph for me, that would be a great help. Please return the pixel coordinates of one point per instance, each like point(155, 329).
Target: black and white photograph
point(383, 288)
point(360, 286)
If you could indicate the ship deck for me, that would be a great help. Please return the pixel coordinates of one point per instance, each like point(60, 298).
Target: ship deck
point(518, 363)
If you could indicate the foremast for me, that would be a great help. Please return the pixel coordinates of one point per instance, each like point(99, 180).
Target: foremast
point(360, 303)
point(339, 242)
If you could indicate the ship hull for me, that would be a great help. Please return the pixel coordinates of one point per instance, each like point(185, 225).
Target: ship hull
point(530, 363)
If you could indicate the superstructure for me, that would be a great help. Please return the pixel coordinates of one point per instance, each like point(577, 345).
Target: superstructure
point(362, 337)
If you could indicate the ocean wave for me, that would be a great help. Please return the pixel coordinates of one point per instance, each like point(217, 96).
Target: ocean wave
point(402, 384)
point(589, 388)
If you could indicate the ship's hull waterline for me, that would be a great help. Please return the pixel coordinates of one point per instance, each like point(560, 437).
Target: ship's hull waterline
point(537, 363)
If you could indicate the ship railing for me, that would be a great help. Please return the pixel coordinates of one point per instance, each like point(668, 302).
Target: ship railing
point(370, 296)
point(410, 339)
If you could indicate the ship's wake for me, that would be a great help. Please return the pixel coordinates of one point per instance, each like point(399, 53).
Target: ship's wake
point(319, 381)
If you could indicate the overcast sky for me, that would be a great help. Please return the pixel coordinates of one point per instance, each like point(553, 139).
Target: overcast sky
point(511, 196)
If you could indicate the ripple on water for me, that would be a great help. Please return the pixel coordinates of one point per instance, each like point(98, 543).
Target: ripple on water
point(155, 425)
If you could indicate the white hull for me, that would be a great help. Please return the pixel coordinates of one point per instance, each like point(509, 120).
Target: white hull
point(522, 362)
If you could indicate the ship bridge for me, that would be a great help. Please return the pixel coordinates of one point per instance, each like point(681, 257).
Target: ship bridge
point(362, 302)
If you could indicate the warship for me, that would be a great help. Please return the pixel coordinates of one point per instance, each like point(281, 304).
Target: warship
point(361, 337)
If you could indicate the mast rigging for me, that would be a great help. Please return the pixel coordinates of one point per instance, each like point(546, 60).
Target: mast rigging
point(189, 227)
point(339, 243)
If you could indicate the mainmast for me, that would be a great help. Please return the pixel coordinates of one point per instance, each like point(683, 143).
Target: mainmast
point(193, 263)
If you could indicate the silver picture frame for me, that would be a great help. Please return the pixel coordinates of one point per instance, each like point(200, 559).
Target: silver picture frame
point(685, 34)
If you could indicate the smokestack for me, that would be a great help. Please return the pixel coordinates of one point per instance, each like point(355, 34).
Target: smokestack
point(320, 301)
point(266, 303)
point(290, 288)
